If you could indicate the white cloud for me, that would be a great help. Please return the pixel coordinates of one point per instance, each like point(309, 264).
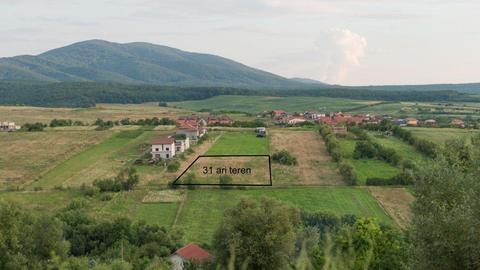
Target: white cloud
point(332, 56)
point(343, 50)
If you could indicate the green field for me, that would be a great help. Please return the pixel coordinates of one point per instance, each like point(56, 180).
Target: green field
point(96, 161)
point(161, 214)
point(239, 143)
point(366, 168)
point(204, 208)
point(440, 135)
point(373, 168)
point(405, 150)
point(256, 104)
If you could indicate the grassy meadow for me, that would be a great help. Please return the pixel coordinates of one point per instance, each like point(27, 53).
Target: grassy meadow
point(405, 150)
point(203, 210)
point(440, 135)
point(240, 143)
point(254, 104)
point(28, 156)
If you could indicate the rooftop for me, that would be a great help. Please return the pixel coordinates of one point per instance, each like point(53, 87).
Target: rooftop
point(193, 252)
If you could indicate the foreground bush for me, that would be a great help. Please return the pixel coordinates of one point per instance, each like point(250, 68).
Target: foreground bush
point(284, 157)
point(127, 179)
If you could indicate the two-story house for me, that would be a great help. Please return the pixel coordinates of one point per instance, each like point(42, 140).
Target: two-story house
point(163, 147)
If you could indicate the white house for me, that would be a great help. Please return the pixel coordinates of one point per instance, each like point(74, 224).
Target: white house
point(194, 132)
point(168, 146)
point(8, 126)
point(163, 147)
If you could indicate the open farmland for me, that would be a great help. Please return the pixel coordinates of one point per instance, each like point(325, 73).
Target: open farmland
point(256, 104)
point(24, 114)
point(99, 161)
point(440, 135)
point(26, 156)
point(396, 201)
point(315, 166)
point(240, 143)
point(403, 149)
point(203, 210)
point(366, 168)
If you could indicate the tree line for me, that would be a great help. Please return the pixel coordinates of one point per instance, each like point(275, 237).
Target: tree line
point(87, 94)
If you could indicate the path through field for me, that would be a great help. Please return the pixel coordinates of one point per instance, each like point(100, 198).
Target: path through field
point(315, 166)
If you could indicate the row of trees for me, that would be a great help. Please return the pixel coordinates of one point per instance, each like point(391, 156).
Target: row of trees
point(333, 147)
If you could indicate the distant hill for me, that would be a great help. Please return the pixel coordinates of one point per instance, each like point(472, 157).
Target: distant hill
point(309, 81)
point(136, 63)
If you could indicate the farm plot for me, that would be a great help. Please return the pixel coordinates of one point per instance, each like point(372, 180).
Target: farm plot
point(366, 168)
point(203, 210)
point(404, 150)
point(239, 143)
point(99, 161)
point(255, 104)
point(397, 203)
point(440, 135)
point(26, 156)
point(23, 114)
point(315, 166)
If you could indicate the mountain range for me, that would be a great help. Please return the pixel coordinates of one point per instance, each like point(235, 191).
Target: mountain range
point(138, 63)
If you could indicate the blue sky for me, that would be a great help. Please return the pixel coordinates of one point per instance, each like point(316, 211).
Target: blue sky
point(351, 42)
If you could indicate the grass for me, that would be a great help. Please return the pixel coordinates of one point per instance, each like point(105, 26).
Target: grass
point(42, 202)
point(373, 168)
point(366, 168)
point(440, 135)
point(405, 150)
point(256, 104)
point(26, 156)
point(91, 163)
point(24, 114)
point(161, 214)
point(204, 208)
point(239, 143)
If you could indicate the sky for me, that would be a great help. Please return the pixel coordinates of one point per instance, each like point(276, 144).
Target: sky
point(348, 42)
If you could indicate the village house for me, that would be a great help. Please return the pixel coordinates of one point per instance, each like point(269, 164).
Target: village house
point(167, 147)
point(192, 127)
point(189, 253)
point(219, 121)
point(336, 118)
point(8, 126)
point(457, 122)
point(400, 122)
point(430, 122)
point(278, 113)
point(411, 121)
point(312, 115)
point(293, 120)
point(163, 148)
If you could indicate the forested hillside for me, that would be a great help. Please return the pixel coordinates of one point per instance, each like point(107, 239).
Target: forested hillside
point(86, 94)
point(135, 63)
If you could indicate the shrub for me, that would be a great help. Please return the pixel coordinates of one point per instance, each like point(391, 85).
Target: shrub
point(224, 181)
point(284, 157)
point(173, 166)
point(61, 123)
point(348, 173)
point(127, 179)
point(33, 127)
point(364, 149)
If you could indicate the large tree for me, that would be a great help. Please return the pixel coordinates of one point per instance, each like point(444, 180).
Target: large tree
point(257, 234)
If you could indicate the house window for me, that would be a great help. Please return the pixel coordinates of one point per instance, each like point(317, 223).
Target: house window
point(156, 149)
point(168, 156)
point(168, 148)
point(178, 148)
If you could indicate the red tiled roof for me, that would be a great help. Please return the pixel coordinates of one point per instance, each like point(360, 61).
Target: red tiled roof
point(163, 140)
point(193, 252)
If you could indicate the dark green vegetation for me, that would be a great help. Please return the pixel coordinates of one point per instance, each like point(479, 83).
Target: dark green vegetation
point(135, 63)
point(87, 94)
point(445, 231)
point(284, 157)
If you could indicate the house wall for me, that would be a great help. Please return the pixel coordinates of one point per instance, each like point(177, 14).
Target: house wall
point(177, 262)
point(160, 151)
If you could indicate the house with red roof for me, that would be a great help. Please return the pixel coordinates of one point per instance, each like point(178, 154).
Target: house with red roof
point(189, 253)
point(191, 126)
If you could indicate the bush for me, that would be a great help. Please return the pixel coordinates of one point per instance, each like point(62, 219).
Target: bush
point(348, 173)
point(364, 149)
point(33, 127)
point(284, 157)
point(89, 191)
point(224, 181)
point(127, 179)
point(173, 166)
point(61, 123)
